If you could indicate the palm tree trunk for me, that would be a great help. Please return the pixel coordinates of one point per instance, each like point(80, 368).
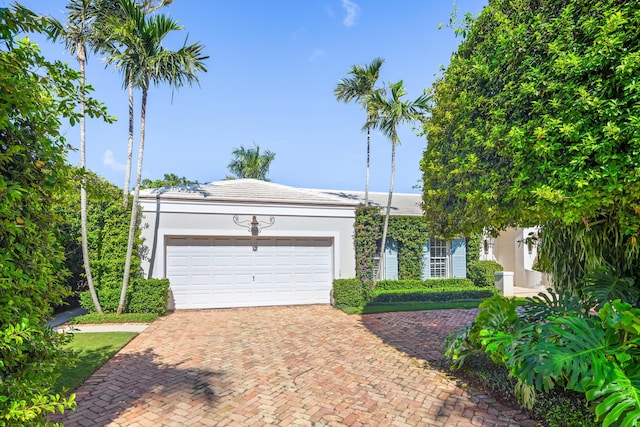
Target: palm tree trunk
point(127, 171)
point(366, 185)
point(83, 190)
point(134, 207)
point(383, 244)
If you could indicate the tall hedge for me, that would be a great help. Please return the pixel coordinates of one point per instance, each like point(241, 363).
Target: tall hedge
point(535, 122)
point(108, 226)
point(35, 95)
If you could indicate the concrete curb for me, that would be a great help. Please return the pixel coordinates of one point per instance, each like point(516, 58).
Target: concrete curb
point(106, 327)
point(61, 324)
point(66, 316)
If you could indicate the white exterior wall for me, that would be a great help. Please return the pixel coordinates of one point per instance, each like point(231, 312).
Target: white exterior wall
point(165, 218)
point(511, 250)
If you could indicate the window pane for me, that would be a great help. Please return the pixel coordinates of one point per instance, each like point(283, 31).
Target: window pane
point(438, 264)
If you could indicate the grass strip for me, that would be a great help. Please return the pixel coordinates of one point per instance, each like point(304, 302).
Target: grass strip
point(114, 318)
point(92, 349)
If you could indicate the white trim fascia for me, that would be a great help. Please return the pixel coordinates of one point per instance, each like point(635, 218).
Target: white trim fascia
point(198, 207)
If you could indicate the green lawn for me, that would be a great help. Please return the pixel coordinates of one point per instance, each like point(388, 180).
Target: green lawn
point(114, 318)
point(93, 350)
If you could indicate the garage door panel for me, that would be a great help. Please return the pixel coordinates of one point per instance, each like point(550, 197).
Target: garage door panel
point(227, 271)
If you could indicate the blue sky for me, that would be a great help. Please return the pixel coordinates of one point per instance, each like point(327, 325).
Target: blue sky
point(272, 70)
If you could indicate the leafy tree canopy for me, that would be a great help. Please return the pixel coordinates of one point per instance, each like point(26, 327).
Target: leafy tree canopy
point(537, 118)
point(169, 180)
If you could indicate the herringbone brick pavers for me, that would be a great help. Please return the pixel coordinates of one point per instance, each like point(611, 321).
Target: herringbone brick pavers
point(286, 366)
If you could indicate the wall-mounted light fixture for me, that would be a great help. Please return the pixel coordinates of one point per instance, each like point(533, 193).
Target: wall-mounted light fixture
point(254, 226)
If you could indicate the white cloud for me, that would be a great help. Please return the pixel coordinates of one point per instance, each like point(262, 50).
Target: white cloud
point(109, 161)
point(352, 10)
point(316, 54)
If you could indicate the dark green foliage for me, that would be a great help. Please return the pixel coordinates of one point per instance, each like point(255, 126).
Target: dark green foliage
point(432, 295)
point(143, 296)
point(410, 233)
point(108, 297)
point(558, 408)
point(169, 180)
point(474, 245)
point(108, 226)
point(482, 272)
point(350, 292)
point(34, 97)
point(571, 252)
point(393, 285)
point(555, 304)
point(114, 318)
point(367, 233)
point(605, 285)
point(563, 347)
point(535, 122)
point(536, 118)
point(148, 296)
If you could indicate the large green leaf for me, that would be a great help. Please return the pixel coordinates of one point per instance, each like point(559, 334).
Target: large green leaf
point(576, 351)
point(622, 316)
point(618, 402)
point(552, 303)
point(607, 284)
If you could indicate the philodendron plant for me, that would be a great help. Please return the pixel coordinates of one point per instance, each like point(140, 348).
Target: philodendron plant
point(585, 345)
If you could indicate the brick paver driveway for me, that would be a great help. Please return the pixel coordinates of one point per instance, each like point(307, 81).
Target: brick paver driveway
point(308, 366)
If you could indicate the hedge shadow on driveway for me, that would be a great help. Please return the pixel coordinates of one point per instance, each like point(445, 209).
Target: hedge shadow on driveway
point(126, 381)
point(419, 334)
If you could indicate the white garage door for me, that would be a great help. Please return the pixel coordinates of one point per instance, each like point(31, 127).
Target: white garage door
point(227, 272)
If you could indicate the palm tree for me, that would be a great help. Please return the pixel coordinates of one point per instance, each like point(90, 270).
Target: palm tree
point(77, 36)
point(360, 87)
point(144, 60)
point(249, 163)
point(390, 112)
point(114, 19)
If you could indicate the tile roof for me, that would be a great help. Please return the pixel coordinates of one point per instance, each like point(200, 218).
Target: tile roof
point(246, 191)
point(257, 191)
point(402, 204)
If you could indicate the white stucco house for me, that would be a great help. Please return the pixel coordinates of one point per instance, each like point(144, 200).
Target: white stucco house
point(241, 243)
point(516, 254)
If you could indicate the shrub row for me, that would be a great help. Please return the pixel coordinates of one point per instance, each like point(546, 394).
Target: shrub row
point(433, 295)
point(352, 293)
point(143, 296)
point(397, 285)
point(481, 273)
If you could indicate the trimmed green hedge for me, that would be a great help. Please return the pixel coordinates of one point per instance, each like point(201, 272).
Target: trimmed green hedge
point(148, 296)
point(397, 285)
point(433, 295)
point(352, 293)
point(482, 272)
point(143, 296)
point(349, 292)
